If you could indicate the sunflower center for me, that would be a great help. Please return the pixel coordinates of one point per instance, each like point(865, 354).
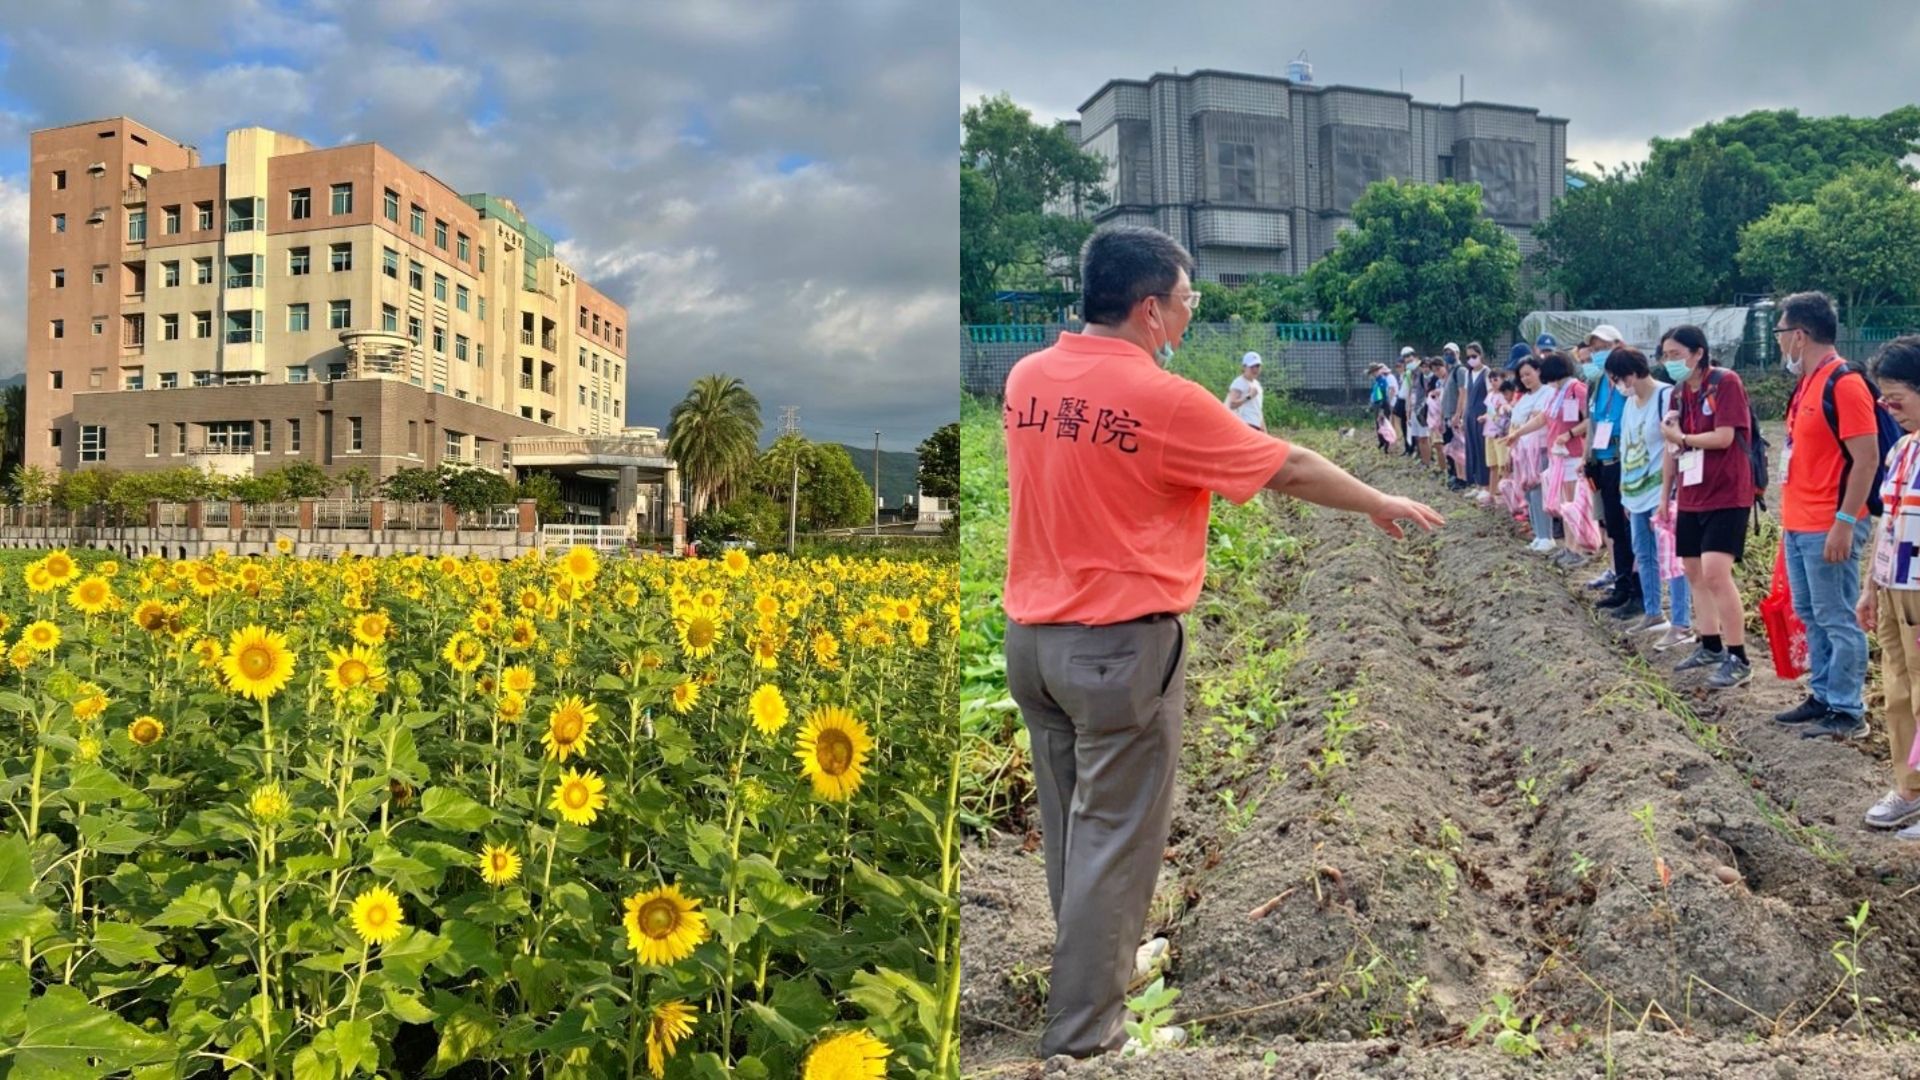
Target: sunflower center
point(834, 751)
point(658, 918)
point(567, 727)
point(500, 862)
point(575, 796)
point(700, 633)
point(353, 673)
point(376, 916)
point(256, 661)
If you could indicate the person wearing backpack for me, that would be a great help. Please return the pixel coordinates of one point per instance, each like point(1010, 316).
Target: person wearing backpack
point(1827, 474)
point(1708, 431)
point(1642, 457)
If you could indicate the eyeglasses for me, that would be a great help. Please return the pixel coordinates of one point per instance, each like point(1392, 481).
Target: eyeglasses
point(1192, 299)
point(1778, 330)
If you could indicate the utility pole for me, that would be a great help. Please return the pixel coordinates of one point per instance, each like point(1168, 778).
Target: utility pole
point(876, 483)
point(790, 425)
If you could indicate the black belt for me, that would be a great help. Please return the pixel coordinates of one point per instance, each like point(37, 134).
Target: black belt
point(1158, 616)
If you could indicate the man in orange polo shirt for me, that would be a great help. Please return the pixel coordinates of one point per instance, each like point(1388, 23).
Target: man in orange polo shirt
point(1828, 469)
point(1112, 463)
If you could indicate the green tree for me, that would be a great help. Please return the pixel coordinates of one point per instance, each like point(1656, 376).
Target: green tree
point(1016, 179)
point(835, 495)
point(31, 485)
point(1594, 245)
point(1858, 240)
point(305, 480)
point(413, 484)
point(13, 428)
point(712, 433)
point(939, 473)
point(544, 490)
point(358, 481)
point(1799, 154)
point(470, 488)
point(773, 471)
point(1422, 261)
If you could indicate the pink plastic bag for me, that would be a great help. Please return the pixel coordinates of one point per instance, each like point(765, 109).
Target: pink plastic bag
point(1385, 431)
point(1669, 559)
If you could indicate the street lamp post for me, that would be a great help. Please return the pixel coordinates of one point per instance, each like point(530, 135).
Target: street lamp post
point(876, 483)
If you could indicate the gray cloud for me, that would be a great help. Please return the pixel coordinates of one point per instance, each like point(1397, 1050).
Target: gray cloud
point(1619, 72)
point(768, 187)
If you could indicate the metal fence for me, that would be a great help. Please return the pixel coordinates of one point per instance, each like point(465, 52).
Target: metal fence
point(598, 537)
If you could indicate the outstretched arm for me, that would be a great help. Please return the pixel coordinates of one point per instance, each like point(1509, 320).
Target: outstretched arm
point(1307, 476)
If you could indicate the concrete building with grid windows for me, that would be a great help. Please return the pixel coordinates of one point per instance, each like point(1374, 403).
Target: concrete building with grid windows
point(336, 305)
point(1257, 174)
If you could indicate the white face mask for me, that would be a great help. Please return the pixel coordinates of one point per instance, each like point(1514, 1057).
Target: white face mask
point(1790, 361)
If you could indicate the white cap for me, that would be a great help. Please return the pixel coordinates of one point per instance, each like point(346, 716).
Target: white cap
point(1406, 350)
point(1251, 359)
point(1605, 332)
point(1450, 347)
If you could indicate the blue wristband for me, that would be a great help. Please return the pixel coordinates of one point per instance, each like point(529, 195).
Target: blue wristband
point(1848, 518)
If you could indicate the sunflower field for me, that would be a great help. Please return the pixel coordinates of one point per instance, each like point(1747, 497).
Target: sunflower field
point(558, 817)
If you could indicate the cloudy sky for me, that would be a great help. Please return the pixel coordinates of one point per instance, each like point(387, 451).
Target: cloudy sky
point(1620, 72)
point(768, 186)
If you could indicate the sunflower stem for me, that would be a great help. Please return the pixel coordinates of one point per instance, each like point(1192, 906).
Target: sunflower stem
point(261, 930)
point(79, 893)
point(353, 1002)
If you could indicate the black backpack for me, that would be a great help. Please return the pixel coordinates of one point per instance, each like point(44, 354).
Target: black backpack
point(1888, 433)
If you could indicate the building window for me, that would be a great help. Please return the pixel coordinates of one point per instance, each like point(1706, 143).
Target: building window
point(99, 275)
point(93, 442)
point(583, 356)
point(293, 436)
point(180, 438)
point(439, 339)
point(59, 179)
point(416, 276)
point(230, 434)
point(59, 279)
point(136, 226)
point(169, 328)
point(170, 274)
point(390, 263)
point(583, 394)
point(460, 246)
point(483, 309)
point(169, 380)
point(596, 325)
point(56, 379)
point(59, 226)
point(297, 373)
point(248, 271)
point(299, 261)
point(99, 327)
point(203, 271)
point(53, 437)
point(480, 356)
point(339, 314)
point(266, 436)
point(440, 287)
point(460, 296)
point(243, 215)
point(203, 324)
point(170, 220)
point(342, 198)
point(135, 381)
point(583, 318)
point(439, 234)
point(203, 378)
point(243, 328)
point(297, 318)
point(392, 206)
point(413, 328)
point(353, 434)
point(618, 334)
point(453, 445)
point(300, 203)
point(389, 317)
point(336, 371)
point(1238, 176)
point(340, 256)
point(459, 346)
point(153, 440)
point(203, 216)
point(417, 220)
point(57, 329)
point(413, 436)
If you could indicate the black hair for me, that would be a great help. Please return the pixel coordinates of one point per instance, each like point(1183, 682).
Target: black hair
point(1474, 347)
point(1627, 362)
point(1122, 265)
point(1899, 361)
point(1530, 362)
point(1555, 366)
point(1812, 312)
point(1692, 339)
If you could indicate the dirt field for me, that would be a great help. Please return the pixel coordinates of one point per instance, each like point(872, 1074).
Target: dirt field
point(1477, 790)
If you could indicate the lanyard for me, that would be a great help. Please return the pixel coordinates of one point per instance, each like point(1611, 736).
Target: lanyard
point(1793, 406)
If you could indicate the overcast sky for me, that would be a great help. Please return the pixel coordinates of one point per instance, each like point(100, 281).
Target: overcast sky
point(1620, 71)
point(769, 187)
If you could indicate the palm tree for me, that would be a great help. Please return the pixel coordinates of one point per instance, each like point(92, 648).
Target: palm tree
point(713, 433)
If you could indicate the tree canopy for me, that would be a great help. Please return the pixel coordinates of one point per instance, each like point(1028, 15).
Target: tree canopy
point(1020, 182)
point(1857, 239)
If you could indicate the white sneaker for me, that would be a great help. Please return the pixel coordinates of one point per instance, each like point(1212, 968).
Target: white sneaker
point(1540, 547)
point(1675, 635)
point(1911, 832)
point(1891, 810)
point(1650, 624)
point(1166, 1038)
point(1150, 959)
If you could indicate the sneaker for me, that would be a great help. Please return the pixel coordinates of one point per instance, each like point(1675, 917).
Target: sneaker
point(1166, 1038)
point(1616, 599)
point(1649, 624)
point(1804, 713)
point(1837, 725)
point(1603, 581)
point(1911, 832)
point(1540, 547)
point(1675, 635)
point(1892, 810)
point(1574, 559)
point(1702, 657)
point(1150, 959)
point(1629, 610)
point(1733, 672)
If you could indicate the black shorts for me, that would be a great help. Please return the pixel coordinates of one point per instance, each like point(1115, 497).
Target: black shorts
point(1400, 408)
point(1698, 531)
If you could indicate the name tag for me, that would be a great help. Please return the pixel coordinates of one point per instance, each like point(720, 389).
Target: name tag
point(1603, 435)
point(1570, 410)
point(1693, 467)
point(1786, 461)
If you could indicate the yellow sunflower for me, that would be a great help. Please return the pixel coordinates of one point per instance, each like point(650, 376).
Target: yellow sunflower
point(283, 545)
point(151, 616)
point(568, 727)
point(463, 652)
point(918, 631)
point(853, 1055)
point(356, 665)
point(627, 595)
point(833, 750)
point(766, 651)
point(371, 628)
point(826, 649)
point(206, 579)
point(708, 599)
point(667, 1024)
point(581, 564)
point(766, 604)
point(60, 567)
point(268, 803)
point(735, 562)
point(685, 696)
point(376, 916)
point(512, 707)
point(768, 709)
point(580, 797)
point(38, 580)
point(41, 636)
point(522, 634)
point(91, 702)
point(498, 865)
point(517, 679)
point(663, 926)
point(91, 596)
point(209, 651)
point(146, 730)
point(21, 656)
point(257, 662)
point(698, 636)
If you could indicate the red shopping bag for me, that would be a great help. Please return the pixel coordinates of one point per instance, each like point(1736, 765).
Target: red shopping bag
point(1786, 637)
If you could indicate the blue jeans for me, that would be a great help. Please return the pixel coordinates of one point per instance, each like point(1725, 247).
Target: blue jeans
point(1824, 595)
point(1646, 560)
point(1537, 515)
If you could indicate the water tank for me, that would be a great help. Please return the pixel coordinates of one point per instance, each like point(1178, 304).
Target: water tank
point(1298, 70)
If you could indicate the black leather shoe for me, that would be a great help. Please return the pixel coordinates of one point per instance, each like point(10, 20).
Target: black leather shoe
point(1615, 599)
point(1804, 713)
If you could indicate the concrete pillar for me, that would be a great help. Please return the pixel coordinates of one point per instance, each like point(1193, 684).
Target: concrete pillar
point(153, 513)
point(236, 515)
point(306, 515)
point(529, 517)
point(376, 515)
point(196, 514)
point(679, 527)
point(625, 495)
point(449, 518)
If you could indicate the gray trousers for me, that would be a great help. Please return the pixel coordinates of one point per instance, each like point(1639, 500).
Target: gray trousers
point(1103, 706)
